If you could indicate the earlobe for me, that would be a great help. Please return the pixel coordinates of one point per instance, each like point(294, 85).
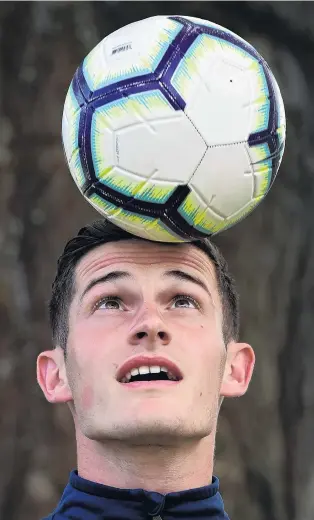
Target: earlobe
point(238, 370)
point(51, 376)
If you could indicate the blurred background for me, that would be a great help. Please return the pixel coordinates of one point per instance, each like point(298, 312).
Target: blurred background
point(265, 455)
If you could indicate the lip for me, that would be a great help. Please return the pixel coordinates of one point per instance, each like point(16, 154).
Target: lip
point(148, 361)
point(149, 385)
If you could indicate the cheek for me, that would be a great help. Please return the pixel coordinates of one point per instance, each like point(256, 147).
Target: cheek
point(92, 354)
point(87, 398)
point(91, 342)
point(205, 334)
point(207, 350)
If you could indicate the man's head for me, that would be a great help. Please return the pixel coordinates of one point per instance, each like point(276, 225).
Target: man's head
point(117, 297)
point(102, 232)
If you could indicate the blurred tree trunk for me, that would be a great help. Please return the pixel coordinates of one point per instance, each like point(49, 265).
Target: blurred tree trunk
point(264, 447)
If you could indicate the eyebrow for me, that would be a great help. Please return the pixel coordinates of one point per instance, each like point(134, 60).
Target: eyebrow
point(109, 277)
point(182, 275)
point(119, 275)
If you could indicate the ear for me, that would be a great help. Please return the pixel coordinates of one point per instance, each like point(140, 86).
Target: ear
point(238, 369)
point(52, 377)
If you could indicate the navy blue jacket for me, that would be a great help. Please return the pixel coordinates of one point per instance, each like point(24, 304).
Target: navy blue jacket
point(86, 500)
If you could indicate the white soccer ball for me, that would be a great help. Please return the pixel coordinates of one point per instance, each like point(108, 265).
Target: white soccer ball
point(173, 128)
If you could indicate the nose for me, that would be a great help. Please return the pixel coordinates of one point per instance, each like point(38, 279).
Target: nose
point(150, 330)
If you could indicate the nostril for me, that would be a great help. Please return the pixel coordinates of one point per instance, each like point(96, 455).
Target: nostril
point(141, 335)
point(162, 335)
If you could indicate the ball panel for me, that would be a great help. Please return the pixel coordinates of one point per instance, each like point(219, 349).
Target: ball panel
point(134, 50)
point(219, 120)
point(205, 219)
point(259, 100)
point(102, 147)
point(124, 115)
point(219, 31)
point(262, 167)
point(151, 105)
point(164, 149)
point(261, 183)
point(234, 94)
point(70, 123)
point(155, 191)
point(107, 209)
point(76, 170)
point(131, 185)
point(281, 117)
point(140, 225)
point(70, 135)
point(224, 179)
point(116, 114)
point(198, 57)
point(199, 215)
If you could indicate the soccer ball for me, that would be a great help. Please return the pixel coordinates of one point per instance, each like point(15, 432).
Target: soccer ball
point(173, 128)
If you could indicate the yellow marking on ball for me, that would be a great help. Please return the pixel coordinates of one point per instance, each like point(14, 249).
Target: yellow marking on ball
point(105, 172)
point(76, 169)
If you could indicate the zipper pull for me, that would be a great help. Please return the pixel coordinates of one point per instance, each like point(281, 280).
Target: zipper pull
point(157, 517)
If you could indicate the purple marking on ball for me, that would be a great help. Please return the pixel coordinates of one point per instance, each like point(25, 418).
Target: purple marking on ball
point(86, 91)
point(77, 91)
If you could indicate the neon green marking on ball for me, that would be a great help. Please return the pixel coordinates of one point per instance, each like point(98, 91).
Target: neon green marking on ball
point(259, 83)
point(76, 168)
point(141, 189)
point(281, 131)
point(70, 129)
point(145, 226)
point(106, 207)
point(110, 114)
point(122, 183)
point(263, 175)
point(260, 121)
point(152, 100)
point(232, 50)
point(70, 123)
point(155, 193)
point(259, 153)
point(100, 121)
point(133, 221)
point(196, 215)
point(134, 218)
point(262, 167)
point(162, 233)
point(98, 74)
point(104, 173)
point(148, 227)
point(116, 111)
point(264, 184)
point(190, 64)
point(71, 105)
point(163, 39)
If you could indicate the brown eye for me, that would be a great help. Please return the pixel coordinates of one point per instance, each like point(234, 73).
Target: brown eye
point(184, 302)
point(109, 303)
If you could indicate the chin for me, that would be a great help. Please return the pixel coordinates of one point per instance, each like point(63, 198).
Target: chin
point(149, 432)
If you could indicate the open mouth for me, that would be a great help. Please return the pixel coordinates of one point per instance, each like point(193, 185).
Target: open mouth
point(149, 374)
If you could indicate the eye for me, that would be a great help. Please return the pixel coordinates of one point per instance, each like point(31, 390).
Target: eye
point(109, 303)
point(181, 301)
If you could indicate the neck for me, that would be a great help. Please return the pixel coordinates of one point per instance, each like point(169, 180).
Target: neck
point(163, 469)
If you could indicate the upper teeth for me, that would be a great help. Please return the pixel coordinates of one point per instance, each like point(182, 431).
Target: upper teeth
point(147, 370)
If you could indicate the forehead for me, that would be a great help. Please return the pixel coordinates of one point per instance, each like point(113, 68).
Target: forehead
point(136, 254)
